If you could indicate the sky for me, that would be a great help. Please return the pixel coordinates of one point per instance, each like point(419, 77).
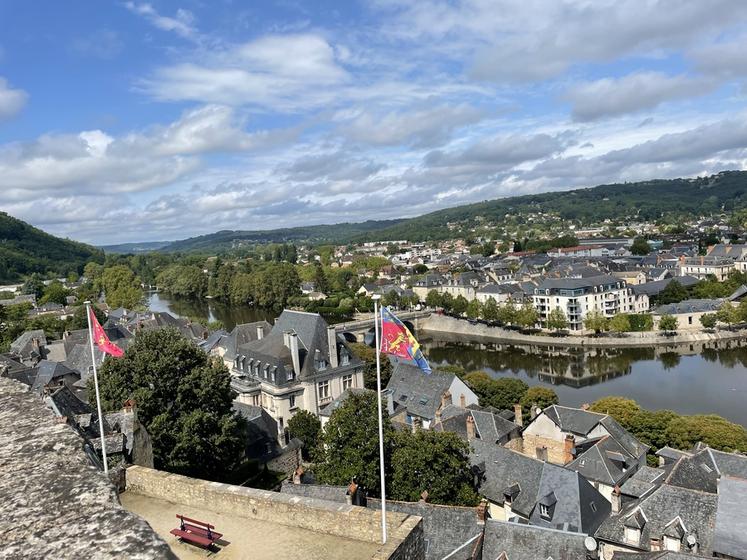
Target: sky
point(147, 121)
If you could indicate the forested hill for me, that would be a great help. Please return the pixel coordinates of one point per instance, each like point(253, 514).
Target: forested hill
point(224, 240)
point(25, 249)
point(646, 200)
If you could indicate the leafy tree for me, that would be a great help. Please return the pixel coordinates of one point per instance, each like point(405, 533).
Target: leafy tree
point(433, 299)
point(185, 281)
point(685, 431)
point(507, 313)
point(368, 355)
point(488, 248)
point(447, 301)
point(527, 315)
point(727, 313)
point(708, 320)
point(55, 292)
point(622, 409)
point(306, 426)
point(596, 321)
point(640, 246)
point(501, 393)
point(460, 305)
point(320, 279)
point(391, 299)
point(537, 396)
point(184, 400)
point(490, 310)
point(350, 443)
point(121, 287)
point(420, 269)
point(437, 462)
point(620, 323)
point(79, 320)
point(556, 320)
point(668, 323)
point(674, 292)
point(473, 309)
point(33, 285)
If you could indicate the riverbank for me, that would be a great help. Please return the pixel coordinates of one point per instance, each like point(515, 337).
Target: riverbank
point(443, 324)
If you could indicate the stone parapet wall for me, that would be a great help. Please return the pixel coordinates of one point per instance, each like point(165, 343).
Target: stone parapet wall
point(342, 520)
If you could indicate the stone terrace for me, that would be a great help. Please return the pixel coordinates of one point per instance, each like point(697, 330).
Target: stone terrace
point(53, 503)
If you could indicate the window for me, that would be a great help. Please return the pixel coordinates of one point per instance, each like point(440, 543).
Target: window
point(323, 390)
point(255, 400)
point(266, 369)
point(290, 375)
point(347, 382)
point(671, 544)
point(544, 511)
point(322, 365)
point(292, 401)
point(632, 536)
point(344, 358)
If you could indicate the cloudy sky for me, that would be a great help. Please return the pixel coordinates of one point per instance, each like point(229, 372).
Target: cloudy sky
point(134, 121)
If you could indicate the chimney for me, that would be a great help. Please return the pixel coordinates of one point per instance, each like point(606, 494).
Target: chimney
point(424, 496)
point(332, 346)
point(130, 407)
point(260, 332)
point(35, 343)
point(297, 474)
point(585, 406)
point(568, 444)
point(482, 512)
point(462, 401)
point(616, 500)
point(518, 420)
point(293, 345)
point(389, 403)
point(470, 427)
point(445, 399)
point(417, 424)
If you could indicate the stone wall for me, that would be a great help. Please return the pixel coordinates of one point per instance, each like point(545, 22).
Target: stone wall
point(555, 449)
point(352, 522)
point(55, 504)
point(287, 462)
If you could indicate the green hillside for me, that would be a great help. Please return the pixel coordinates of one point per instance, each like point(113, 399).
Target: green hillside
point(25, 249)
point(224, 240)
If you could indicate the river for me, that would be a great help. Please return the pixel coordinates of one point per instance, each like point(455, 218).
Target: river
point(691, 379)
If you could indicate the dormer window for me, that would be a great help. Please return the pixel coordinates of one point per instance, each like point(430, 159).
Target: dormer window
point(632, 536)
point(545, 511)
point(671, 544)
point(322, 365)
point(290, 375)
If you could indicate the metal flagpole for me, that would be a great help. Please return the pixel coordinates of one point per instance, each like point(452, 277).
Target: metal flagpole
point(96, 385)
point(377, 328)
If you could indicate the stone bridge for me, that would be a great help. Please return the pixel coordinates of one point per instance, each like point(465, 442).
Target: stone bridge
point(362, 330)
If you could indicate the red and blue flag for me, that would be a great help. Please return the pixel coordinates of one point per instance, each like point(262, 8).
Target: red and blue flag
point(397, 340)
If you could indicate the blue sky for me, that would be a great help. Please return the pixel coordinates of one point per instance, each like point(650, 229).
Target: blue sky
point(133, 121)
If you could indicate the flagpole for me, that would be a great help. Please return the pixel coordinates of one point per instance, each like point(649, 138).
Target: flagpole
point(96, 385)
point(377, 327)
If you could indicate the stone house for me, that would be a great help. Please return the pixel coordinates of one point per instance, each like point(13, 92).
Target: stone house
point(301, 364)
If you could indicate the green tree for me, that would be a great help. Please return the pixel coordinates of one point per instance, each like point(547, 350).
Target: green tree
point(33, 286)
point(460, 305)
point(667, 323)
point(537, 396)
point(501, 393)
point(320, 279)
point(121, 287)
point(507, 313)
point(622, 409)
point(708, 320)
point(184, 400)
point(596, 321)
point(641, 322)
point(527, 316)
point(490, 310)
point(55, 292)
point(685, 431)
point(306, 426)
point(674, 292)
point(447, 301)
point(640, 246)
point(433, 299)
point(185, 281)
point(79, 320)
point(436, 462)
point(350, 444)
point(368, 355)
point(620, 323)
point(473, 309)
point(488, 248)
point(391, 299)
point(556, 320)
point(727, 313)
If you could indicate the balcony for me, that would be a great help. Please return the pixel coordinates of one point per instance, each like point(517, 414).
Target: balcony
point(325, 400)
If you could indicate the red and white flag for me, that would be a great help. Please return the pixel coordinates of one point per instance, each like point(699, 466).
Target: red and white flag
point(100, 338)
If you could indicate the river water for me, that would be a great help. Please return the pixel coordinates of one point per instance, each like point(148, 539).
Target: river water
point(691, 379)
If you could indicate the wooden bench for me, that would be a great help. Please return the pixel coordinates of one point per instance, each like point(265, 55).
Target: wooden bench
point(196, 532)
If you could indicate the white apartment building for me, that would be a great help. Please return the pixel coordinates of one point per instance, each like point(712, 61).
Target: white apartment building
point(577, 297)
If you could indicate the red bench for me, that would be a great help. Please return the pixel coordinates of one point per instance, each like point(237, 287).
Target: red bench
point(196, 532)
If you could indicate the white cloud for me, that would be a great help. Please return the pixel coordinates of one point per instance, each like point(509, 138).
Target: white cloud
point(641, 90)
point(182, 24)
point(11, 100)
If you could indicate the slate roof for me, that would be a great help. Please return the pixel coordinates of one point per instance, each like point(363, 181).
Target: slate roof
point(730, 537)
point(525, 542)
point(606, 461)
point(690, 306)
point(47, 371)
point(420, 393)
point(575, 499)
point(643, 481)
point(489, 426)
point(701, 471)
point(449, 531)
point(241, 334)
point(696, 510)
point(23, 345)
point(656, 287)
point(574, 283)
point(64, 403)
point(16, 370)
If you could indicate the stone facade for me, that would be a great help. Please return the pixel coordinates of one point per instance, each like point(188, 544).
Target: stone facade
point(55, 504)
point(405, 540)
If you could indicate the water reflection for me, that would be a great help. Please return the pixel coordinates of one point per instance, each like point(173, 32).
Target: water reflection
point(693, 378)
point(209, 310)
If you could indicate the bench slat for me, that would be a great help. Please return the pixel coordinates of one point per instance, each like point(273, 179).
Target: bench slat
point(202, 531)
point(195, 521)
point(192, 537)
